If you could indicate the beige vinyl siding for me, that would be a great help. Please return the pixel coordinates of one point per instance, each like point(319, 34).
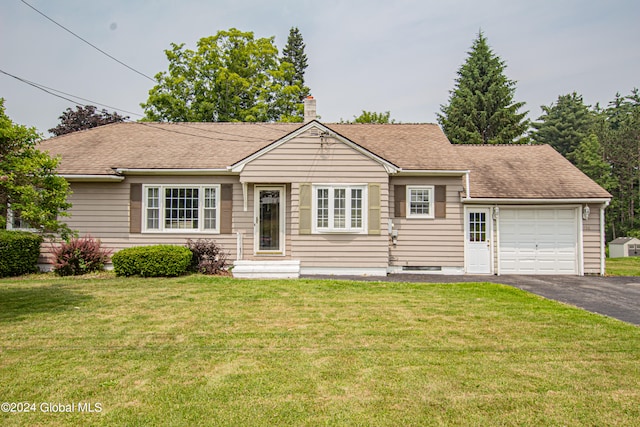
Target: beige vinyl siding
point(102, 211)
point(306, 159)
point(437, 242)
point(591, 241)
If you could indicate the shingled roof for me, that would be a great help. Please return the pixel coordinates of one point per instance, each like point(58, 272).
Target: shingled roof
point(525, 172)
point(530, 172)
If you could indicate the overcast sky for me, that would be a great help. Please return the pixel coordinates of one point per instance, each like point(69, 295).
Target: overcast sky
point(376, 55)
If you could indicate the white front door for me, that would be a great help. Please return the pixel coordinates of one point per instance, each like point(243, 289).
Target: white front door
point(478, 241)
point(269, 234)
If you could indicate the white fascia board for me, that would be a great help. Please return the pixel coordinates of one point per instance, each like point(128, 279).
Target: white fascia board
point(91, 178)
point(429, 172)
point(498, 201)
point(182, 172)
point(326, 133)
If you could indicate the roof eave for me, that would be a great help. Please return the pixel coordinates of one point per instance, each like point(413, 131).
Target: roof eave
point(91, 177)
point(175, 171)
point(535, 201)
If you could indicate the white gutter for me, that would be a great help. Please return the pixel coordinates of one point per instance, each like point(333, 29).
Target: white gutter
point(410, 172)
point(159, 171)
point(500, 201)
point(92, 178)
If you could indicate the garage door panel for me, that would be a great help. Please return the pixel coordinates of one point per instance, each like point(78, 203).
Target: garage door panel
point(538, 241)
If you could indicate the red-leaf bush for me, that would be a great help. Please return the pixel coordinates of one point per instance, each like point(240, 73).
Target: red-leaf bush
point(208, 256)
point(79, 256)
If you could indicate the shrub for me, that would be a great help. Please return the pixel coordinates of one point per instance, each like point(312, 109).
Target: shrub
point(152, 261)
point(208, 257)
point(19, 252)
point(79, 256)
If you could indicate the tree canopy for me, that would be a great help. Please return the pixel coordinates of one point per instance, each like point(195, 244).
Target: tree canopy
point(605, 145)
point(564, 124)
point(481, 109)
point(29, 186)
point(86, 117)
point(232, 76)
point(293, 53)
point(371, 117)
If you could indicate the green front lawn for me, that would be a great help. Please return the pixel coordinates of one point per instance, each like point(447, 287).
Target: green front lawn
point(628, 266)
point(217, 351)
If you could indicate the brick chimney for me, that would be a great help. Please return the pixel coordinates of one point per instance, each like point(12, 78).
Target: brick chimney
point(309, 109)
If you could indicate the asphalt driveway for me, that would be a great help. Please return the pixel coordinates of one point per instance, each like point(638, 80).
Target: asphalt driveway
point(617, 297)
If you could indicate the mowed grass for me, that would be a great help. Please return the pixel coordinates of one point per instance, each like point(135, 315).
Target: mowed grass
point(627, 266)
point(217, 351)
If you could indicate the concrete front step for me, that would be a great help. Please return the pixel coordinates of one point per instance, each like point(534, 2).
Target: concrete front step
point(288, 269)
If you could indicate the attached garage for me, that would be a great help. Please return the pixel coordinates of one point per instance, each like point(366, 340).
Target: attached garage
point(538, 241)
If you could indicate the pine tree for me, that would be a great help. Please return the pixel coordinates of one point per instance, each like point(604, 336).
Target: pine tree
point(564, 125)
point(293, 53)
point(481, 109)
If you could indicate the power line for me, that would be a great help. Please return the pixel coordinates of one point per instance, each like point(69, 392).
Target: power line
point(51, 91)
point(90, 44)
point(156, 125)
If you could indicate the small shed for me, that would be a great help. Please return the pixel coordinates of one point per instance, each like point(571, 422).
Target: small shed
point(624, 246)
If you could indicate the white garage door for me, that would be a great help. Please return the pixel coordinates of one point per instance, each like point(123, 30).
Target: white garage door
point(538, 241)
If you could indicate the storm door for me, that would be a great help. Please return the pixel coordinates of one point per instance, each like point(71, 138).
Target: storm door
point(269, 224)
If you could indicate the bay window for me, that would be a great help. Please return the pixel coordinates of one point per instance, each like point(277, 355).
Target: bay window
point(339, 208)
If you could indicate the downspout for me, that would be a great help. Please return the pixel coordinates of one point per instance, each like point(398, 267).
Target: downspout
point(602, 240)
point(467, 185)
point(496, 215)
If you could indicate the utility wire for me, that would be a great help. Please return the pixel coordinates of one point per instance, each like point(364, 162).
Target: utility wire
point(90, 44)
point(51, 91)
point(154, 125)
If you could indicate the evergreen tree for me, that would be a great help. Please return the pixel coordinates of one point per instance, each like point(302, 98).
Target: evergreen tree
point(293, 53)
point(619, 134)
point(481, 109)
point(564, 125)
point(589, 158)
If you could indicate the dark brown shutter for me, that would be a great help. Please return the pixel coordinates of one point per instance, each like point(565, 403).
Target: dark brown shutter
point(400, 201)
point(226, 208)
point(441, 201)
point(135, 208)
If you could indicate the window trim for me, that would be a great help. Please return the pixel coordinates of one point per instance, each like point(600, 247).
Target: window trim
point(432, 202)
point(348, 229)
point(10, 219)
point(161, 208)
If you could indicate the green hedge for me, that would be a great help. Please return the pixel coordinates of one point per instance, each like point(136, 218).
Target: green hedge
point(152, 261)
point(19, 252)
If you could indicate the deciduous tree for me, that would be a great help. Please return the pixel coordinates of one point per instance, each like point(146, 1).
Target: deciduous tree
point(232, 76)
point(372, 117)
point(29, 185)
point(86, 117)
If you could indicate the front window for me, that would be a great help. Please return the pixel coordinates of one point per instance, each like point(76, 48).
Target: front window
point(420, 202)
point(339, 208)
point(188, 208)
point(16, 222)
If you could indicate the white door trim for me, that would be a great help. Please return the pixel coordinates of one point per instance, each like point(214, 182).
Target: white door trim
point(282, 222)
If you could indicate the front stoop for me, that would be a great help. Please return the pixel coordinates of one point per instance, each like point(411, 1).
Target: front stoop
point(289, 269)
